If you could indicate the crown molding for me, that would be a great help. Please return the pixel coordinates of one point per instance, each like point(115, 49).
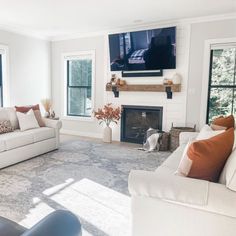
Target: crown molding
point(70, 36)
point(21, 31)
point(148, 25)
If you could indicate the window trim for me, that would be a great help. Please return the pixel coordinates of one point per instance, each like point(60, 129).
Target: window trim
point(4, 51)
point(65, 58)
point(210, 86)
point(209, 44)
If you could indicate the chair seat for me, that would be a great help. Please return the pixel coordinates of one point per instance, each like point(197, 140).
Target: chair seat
point(10, 228)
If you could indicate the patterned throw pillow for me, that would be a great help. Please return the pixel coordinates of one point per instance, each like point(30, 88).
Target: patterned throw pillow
point(5, 127)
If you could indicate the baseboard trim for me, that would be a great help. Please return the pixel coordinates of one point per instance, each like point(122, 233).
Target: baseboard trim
point(79, 133)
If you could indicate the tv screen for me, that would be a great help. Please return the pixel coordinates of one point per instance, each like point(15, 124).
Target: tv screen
point(143, 50)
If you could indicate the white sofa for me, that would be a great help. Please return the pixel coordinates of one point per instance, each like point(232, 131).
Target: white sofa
point(18, 146)
point(165, 204)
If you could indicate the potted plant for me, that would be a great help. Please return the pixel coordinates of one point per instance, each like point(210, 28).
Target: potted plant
point(107, 115)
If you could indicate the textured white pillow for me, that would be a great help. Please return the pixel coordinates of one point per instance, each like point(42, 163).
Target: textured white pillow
point(27, 120)
point(185, 163)
point(230, 171)
point(234, 147)
point(207, 132)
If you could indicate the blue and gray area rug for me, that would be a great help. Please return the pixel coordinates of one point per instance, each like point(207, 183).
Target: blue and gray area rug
point(86, 177)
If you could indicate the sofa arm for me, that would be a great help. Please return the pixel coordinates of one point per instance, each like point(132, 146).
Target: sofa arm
point(164, 184)
point(56, 124)
point(185, 137)
point(58, 223)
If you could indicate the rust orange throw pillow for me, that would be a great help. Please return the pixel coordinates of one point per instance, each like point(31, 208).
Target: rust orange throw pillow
point(227, 122)
point(205, 159)
point(25, 109)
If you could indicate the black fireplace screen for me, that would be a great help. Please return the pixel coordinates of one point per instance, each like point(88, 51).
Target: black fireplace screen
point(136, 120)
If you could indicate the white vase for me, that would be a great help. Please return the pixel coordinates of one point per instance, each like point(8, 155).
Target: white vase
point(176, 78)
point(107, 135)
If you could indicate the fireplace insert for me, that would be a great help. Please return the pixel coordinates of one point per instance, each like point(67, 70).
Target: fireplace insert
point(136, 120)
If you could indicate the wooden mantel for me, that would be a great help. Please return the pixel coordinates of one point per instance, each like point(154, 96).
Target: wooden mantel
point(145, 87)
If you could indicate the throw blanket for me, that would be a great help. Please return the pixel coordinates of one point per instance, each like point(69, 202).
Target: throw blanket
point(152, 142)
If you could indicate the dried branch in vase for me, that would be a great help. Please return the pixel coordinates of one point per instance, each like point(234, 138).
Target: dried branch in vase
point(108, 114)
point(47, 104)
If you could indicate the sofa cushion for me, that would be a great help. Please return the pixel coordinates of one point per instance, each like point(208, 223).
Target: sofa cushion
point(16, 139)
point(39, 118)
point(205, 159)
point(42, 133)
point(5, 126)
point(228, 175)
point(227, 122)
point(173, 160)
point(25, 109)
point(222, 179)
point(27, 120)
point(207, 132)
point(2, 145)
point(4, 114)
point(9, 113)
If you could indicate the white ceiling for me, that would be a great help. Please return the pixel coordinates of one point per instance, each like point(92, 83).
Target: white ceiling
point(57, 18)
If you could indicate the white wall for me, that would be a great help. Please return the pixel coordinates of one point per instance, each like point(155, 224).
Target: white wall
point(87, 128)
point(200, 32)
point(29, 68)
point(174, 110)
point(183, 109)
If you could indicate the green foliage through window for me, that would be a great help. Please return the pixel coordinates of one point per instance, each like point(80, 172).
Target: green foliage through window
point(222, 83)
point(79, 87)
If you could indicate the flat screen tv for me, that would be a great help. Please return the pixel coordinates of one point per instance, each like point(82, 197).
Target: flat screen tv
point(143, 50)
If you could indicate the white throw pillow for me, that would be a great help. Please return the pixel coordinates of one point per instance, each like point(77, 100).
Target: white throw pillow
point(230, 171)
point(185, 163)
point(27, 120)
point(207, 132)
point(234, 139)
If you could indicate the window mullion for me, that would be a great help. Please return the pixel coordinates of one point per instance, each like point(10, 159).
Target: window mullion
point(209, 87)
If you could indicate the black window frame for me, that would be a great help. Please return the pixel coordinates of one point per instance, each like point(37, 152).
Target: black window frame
point(210, 86)
point(73, 86)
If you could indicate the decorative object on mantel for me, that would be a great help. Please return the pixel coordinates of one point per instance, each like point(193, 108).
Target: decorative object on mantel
point(167, 81)
point(144, 88)
point(174, 135)
point(47, 104)
point(106, 115)
point(176, 78)
point(114, 83)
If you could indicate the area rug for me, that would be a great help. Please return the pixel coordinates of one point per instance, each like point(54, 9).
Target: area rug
point(86, 177)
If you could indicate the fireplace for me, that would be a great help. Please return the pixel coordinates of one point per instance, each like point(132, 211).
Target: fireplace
point(136, 120)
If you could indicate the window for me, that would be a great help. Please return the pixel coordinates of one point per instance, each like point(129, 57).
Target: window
point(1, 97)
point(222, 82)
point(79, 80)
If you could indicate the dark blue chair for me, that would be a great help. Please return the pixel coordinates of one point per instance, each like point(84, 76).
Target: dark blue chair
point(58, 223)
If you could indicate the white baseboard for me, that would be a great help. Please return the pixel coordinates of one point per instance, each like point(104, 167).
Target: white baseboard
point(79, 133)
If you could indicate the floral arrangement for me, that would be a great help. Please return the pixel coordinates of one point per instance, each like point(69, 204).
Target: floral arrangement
point(47, 104)
point(108, 114)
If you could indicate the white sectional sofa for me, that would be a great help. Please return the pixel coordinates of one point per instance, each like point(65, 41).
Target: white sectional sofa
point(165, 204)
point(19, 145)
